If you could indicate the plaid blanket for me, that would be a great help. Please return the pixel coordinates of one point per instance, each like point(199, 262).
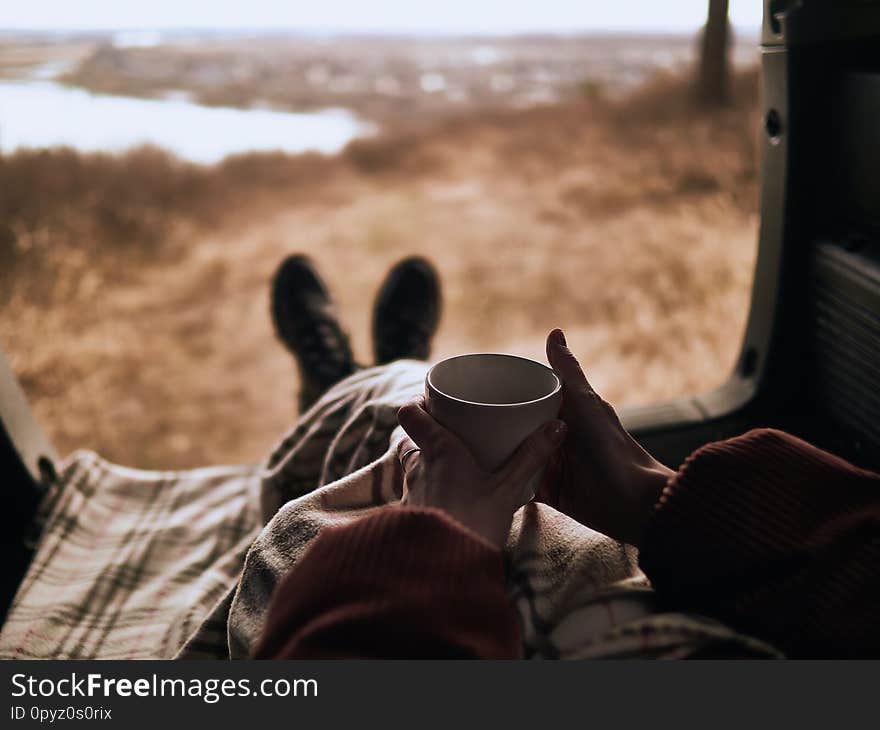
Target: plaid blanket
point(130, 562)
point(136, 564)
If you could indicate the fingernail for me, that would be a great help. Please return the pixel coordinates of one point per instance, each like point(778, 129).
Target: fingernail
point(559, 337)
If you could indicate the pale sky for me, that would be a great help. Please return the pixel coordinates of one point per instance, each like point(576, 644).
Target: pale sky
point(440, 16)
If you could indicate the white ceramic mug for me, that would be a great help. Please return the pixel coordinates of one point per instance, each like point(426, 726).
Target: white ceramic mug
point(492, 402)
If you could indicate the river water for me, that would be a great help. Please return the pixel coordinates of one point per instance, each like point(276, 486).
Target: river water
point(39, 112)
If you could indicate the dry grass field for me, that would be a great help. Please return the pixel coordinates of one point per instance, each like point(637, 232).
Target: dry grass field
point(134, 289)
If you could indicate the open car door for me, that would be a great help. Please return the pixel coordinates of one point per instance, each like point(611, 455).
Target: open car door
point(810, 359)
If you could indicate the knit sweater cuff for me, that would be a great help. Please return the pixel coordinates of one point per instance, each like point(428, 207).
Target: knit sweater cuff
point(393, 545)
point(400, 582)
point(733, 507)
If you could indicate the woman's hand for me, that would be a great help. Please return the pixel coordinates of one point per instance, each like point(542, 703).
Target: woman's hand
point(604, 480)
point(440, 472)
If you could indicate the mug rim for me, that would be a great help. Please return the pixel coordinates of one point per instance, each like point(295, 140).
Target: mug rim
point(434, 388)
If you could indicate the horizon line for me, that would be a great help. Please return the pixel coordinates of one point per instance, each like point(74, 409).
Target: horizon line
point(343, 31)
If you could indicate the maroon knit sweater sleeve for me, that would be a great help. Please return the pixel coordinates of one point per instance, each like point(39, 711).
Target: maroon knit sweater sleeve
point(401, 583)
point(775, 537)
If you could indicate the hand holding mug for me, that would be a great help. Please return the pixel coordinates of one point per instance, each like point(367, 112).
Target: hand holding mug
point(441, 472)
point(604, 479)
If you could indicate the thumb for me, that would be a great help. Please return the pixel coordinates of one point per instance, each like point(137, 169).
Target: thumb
point(532, 454)
point(563, 361)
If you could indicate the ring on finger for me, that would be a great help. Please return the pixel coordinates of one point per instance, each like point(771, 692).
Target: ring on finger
point(406, 454)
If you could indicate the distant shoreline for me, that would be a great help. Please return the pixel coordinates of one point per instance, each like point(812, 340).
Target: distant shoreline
point(393, 81)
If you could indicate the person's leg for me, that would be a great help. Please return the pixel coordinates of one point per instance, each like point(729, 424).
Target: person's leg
point(405, 317)
point(407, 312)
point(306, 323)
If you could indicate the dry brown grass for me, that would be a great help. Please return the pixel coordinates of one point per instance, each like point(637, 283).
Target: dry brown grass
point(21, 56)
point(136, 306)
